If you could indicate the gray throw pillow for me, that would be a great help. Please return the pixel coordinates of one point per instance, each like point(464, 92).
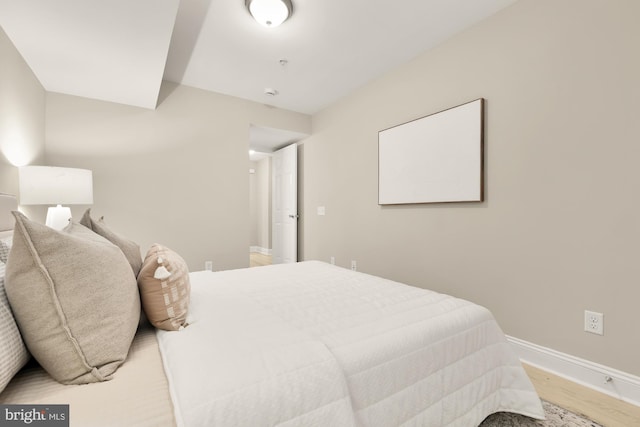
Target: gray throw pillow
point(5, 248)
point(13, 353)
point(128, 247)
point(74, 298)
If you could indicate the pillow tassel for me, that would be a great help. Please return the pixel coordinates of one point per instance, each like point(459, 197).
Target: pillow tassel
point(161, 272)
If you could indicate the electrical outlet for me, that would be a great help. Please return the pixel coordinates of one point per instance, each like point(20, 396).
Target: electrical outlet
point(208, 265)
point(354, 266)
point(333, 260)
point(594, 322)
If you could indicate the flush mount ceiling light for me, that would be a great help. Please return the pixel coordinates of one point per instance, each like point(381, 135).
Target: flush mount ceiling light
point(270, 13)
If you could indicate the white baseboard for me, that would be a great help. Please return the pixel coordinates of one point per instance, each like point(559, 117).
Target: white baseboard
point(258, 249)
point(621, 385)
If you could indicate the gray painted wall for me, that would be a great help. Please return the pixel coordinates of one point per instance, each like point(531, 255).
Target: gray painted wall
point(559, 230)
point(22, 109)
point(176, 175)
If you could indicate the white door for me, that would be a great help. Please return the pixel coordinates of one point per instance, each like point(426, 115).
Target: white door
point(285, 205)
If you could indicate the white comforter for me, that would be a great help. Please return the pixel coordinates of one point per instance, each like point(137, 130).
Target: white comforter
point(311, 344)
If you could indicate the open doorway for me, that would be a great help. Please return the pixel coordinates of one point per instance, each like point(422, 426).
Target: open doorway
point(260, 209)
point(263, 143)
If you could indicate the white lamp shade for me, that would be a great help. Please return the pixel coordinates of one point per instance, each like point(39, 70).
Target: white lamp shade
point(48, 185)
point(269, 13)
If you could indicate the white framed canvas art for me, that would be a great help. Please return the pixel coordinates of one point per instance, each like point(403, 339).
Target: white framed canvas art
point(434, 159)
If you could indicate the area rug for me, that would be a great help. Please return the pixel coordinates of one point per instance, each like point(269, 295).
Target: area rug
point(556, 417)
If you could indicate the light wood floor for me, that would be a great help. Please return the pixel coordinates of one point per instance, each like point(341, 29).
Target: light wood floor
point(604, 409)
point(257, 259)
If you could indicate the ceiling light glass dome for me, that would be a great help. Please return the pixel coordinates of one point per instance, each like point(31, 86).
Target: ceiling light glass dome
point(270, 13)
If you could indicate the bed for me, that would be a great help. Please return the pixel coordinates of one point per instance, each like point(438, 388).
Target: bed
point(305, 344)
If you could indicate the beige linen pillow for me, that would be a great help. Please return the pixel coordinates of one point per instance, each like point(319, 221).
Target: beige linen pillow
point(165, 288)
point(13, 353)
point(74, 298)
point(128, 247)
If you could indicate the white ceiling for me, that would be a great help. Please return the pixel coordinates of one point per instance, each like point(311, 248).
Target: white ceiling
point(111, 50)
point(332, 46)
point(120, 50)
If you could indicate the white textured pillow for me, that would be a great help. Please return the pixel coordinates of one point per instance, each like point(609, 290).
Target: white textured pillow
point(13, 353)
point(74, 298)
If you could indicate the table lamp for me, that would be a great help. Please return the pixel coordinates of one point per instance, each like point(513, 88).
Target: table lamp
point(49, 185)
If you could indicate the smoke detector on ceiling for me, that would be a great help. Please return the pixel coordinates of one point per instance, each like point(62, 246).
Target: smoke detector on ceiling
point(270, 91)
